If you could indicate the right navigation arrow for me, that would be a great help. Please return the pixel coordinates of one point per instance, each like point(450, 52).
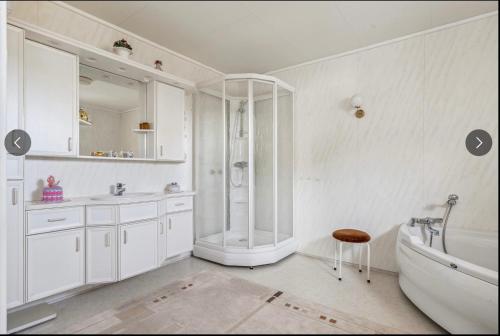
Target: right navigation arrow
point(480, 142)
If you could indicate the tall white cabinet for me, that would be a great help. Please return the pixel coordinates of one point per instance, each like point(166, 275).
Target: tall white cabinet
point(169, 106)
point(51, 100)
point(15, 246)
point(14, 170)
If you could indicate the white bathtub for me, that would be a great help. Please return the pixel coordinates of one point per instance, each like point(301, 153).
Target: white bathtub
point(459, 290)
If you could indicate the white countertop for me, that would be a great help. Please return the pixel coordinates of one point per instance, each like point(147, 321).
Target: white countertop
point(90, 200)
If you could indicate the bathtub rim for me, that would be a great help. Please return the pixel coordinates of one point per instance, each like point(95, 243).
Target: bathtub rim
point(416, 244)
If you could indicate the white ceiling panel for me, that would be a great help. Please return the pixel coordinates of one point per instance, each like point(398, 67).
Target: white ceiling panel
point(247, 36)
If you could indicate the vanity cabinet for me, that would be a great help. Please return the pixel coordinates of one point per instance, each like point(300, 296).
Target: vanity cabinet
point(169, 107)
point(138, 248)
point(15, 245)
point(101, 254)
point(50, 100)
point(179, 233)
point(55, 262)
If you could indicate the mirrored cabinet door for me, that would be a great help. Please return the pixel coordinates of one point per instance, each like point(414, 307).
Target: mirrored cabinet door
point(113, 117)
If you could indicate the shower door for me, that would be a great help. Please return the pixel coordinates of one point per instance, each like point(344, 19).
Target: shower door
point(237, 163)
point(262, 173)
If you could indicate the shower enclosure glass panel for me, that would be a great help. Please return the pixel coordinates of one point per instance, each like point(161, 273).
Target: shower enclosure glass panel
point(209, 164)
point(285, 163)
point(237, 205)
point(263, 164)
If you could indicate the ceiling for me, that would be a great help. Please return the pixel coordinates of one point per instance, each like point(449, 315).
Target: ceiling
point(260, 36)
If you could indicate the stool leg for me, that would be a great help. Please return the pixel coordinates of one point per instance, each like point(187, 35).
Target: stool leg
point(360, 255)
point(335, 255)
point(368, 261)
point(340, 263)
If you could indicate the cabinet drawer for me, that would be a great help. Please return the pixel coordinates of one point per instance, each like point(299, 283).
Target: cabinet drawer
point(137, 211)
point(179, 204)
point(47, 220)
point(101, 215)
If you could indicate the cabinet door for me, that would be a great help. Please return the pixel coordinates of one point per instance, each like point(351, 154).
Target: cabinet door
point(14, 117)
point(179, 233)
point(169, 123)
point(15, 246)
point(138, 248)
point(50, 100)
point(55, 263)
point(162, 239)
point(101, 254)
point(15, 47)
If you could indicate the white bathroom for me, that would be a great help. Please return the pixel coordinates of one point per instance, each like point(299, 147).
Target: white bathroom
point(249, 167)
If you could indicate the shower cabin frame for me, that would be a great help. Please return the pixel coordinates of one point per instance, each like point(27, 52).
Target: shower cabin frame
point(250, 255)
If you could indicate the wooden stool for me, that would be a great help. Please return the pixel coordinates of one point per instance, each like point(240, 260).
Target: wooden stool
point(352, 236)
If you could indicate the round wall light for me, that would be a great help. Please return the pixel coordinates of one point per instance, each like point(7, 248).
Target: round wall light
point(357, 103)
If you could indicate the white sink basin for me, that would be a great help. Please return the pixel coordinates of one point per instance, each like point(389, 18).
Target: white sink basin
point(122, 197)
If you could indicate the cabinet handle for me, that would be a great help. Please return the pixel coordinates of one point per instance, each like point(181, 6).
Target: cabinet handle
point(124, 237)
point(106, 240)
point(51, 220)
point(170, 223)
point(179, 204)
point(161, 150)
point(14, 196)
point(77, 244)
point(70, 144)
point(162, 229)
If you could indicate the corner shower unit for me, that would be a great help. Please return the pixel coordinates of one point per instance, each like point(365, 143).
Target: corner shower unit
point(244, 170)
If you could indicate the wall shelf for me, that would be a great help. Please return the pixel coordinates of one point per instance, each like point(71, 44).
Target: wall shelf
point(85, 123)
point(143, 131)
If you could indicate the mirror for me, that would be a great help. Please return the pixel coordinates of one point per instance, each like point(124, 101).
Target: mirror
point(113, 116)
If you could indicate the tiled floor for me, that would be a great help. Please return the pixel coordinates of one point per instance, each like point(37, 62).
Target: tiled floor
point(381, 301)
point(217, 302)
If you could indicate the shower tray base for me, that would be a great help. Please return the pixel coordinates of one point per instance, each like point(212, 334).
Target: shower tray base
point(234, 256)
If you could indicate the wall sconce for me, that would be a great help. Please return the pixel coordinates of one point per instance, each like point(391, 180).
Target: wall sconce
point(356, 103)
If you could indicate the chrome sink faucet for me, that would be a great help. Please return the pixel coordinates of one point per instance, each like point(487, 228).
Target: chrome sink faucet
point(119, 189)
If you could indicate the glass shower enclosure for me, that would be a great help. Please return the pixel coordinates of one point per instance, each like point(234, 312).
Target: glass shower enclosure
point(243, 136)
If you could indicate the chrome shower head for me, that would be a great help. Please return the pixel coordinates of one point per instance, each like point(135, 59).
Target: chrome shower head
point(452, 199)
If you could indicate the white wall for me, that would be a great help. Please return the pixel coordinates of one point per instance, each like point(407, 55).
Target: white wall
point(422, 96)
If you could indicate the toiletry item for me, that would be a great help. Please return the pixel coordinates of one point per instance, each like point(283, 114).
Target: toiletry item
point(173, 187)
point(144, 125)
point(84, 115)
point(53, 192)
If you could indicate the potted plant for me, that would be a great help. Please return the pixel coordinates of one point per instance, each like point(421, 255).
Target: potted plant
point(122, 48)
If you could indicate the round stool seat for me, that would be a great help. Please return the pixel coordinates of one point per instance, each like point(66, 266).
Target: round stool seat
point(351, 236)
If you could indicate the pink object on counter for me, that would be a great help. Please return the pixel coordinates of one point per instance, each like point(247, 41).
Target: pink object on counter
point(52, 193)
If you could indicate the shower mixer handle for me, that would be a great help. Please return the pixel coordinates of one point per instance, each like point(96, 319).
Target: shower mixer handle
point(426, 221)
